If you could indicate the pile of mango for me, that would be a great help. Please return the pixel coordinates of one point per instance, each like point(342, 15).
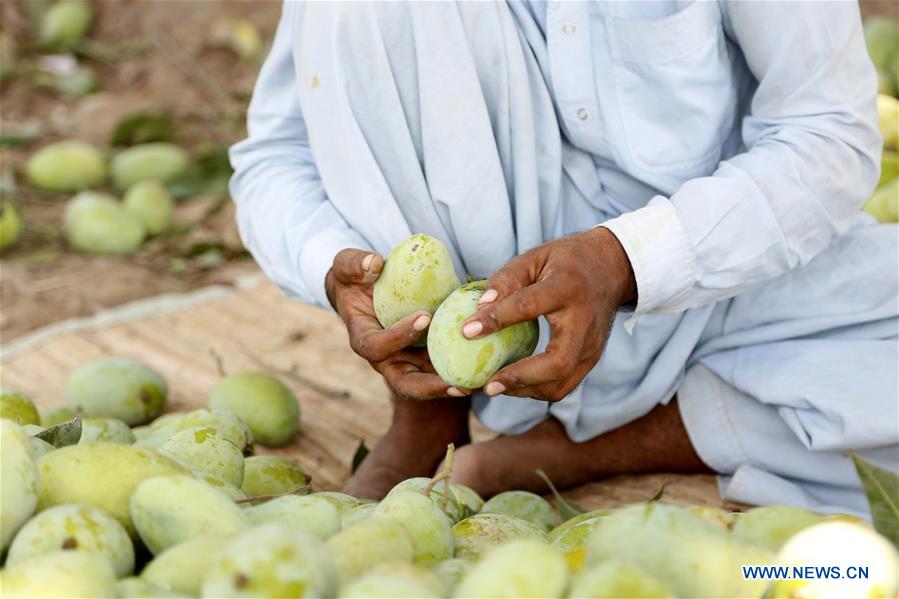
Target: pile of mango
point(141, 503)
point(882, 38)
point(96, 222)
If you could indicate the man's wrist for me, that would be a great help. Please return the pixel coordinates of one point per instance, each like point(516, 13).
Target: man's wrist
point(616, 262)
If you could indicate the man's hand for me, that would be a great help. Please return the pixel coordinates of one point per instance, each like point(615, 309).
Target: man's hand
point(406, 369)
point(577, 283)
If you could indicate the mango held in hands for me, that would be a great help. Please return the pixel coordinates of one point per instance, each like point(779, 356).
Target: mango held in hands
point(469, 363)
point(417, 275)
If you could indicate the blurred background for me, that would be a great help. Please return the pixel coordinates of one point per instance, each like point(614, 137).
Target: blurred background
point(117, 74)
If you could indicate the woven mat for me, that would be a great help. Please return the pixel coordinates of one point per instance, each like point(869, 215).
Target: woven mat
point(193, 338)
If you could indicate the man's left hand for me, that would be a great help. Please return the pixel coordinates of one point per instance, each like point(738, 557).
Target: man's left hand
point(576, 282)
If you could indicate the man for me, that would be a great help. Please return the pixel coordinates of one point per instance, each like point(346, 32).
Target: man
point(673, 186)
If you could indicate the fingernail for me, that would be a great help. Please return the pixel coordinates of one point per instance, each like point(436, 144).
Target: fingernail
point(453, 392)
point(422, 322)
point(488, 297)
point(366, 262)
point(472, 329)
point(494, 388)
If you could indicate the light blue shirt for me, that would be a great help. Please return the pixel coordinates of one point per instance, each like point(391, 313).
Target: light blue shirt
point(725, 144)
point(700, 118)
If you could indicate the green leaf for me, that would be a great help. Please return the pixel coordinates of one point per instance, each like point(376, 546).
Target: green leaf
point(882, 489)
point(567, 509)
point(67, 433)
point(144, 127)
point(359, 456)
point(208, 175)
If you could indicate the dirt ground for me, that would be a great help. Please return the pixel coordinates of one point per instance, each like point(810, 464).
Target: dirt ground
point(150, 55)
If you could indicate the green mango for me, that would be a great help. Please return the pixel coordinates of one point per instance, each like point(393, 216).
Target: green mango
point(105, 430)
point(619, 580)
point(182, 567)
point(96, 223)
point(10, 225)
point(66, 166)
point(65, 23)
point(168, 510)
point(428, 526)
point(341, 501)
point(60, 575)
point(372, 541)
point(395, 580)
point(272, 560)
point(80, 527)
point(16, 406)
point(451, 572)
point(838, 542)
point(888, 120)
point(688, 553)
point(151, 203)
point(134, 587)
point(263, 402)
point(882, 39)
point(117, 388)
point(469, 363)
point(205, 452)
point(269, 475)
point(889, 167)
point(449, 505)
point(158, 161)
point(570, 537)
point(357, 514)
point(770, 526)
point(55, 415)
point(18, 480)
point(480, 534)
point(100, 474)
point(417, 275)
point(313, 514)
point(884, 204)
point(525, 505)
point(468, 498)
point(517, 569)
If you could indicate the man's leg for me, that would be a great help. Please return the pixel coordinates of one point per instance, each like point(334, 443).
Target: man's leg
point(413, 446)
point(656, 442)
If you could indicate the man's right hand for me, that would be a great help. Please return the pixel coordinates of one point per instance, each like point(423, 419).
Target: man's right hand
point(407, 370)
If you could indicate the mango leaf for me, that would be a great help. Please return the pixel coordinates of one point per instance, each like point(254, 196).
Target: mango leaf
point(208, 175)
point(567, 509)
point(882, 490)
point(67, 433)
point(359, 456)
point(144, 127)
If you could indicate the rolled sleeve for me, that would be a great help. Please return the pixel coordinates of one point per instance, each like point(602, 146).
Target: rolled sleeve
point(318, 254)
point(661, 255)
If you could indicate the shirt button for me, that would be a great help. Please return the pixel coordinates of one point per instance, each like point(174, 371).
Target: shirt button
point(582, 114)
point(568, 28)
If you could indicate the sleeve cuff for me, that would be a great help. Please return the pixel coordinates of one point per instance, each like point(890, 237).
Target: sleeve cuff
point(318, 256)
point(661, 254)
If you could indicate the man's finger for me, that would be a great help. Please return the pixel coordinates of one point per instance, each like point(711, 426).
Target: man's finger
point(420, 385)
point(508, 279)
point(375, 344)
point(357, 266)
point(525, 304)
point(551, 366)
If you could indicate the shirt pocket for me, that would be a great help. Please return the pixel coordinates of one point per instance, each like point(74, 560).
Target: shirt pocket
point(675, 88)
